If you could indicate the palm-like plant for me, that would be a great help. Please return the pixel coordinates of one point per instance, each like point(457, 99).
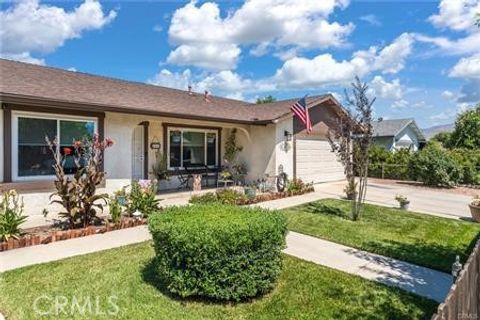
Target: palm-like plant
point(77, 194)
point(11, 215)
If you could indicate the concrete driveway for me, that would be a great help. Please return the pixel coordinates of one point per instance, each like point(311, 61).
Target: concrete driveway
point(439, 203)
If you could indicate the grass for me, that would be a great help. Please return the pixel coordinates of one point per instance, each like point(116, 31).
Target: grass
point(304, 291)
point(417, 238)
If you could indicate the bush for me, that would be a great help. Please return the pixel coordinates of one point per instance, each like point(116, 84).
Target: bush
point(218, 251)
point(434, 166)
point(205, 198)
point(470, 162)
point(142, 197)
point(231, 196)
point(396, 163)
point(297, 186)
point(225, 196)
point(11, 215)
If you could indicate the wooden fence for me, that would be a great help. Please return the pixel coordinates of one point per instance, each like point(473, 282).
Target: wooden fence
point(463, 300)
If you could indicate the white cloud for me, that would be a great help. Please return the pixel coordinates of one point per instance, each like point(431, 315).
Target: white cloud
point(209, 56)
point(466, 45)
point(157, 28)
point(166, 78)
point(468, 68)
point(235, 96)
point(470, 92)
point(447, 94)
point(287, 54)
point(224, 81)
point(372, 19)
point(400, 104)
point(457, 15)
point(392, 58)
point(444, 115)
point(264, 23)
point(32, 27)
point(324, 69)
point(385, 89)
point(24, 57)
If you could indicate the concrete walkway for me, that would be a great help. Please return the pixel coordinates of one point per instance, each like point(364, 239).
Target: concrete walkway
point(434, 202)
point(420, 280)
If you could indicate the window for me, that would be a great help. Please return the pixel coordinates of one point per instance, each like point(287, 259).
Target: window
point(192, 147)
point(31, 155)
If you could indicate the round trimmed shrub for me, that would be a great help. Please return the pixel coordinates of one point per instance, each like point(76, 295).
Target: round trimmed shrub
point(218, 251)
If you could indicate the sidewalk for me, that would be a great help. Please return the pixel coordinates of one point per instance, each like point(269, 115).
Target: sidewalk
point(420, 280)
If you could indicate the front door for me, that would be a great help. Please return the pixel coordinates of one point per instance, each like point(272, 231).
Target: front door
point(138, 153)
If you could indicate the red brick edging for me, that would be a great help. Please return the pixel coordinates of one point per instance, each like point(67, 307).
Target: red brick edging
point(59, 235)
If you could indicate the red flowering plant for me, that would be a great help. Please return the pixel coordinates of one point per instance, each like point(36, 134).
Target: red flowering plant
point(77, 192)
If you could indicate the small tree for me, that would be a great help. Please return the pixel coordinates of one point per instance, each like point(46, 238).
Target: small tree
point(266, 99)
point(231, 147)
point(350, 138)
point(467, 130)
point(77, 193)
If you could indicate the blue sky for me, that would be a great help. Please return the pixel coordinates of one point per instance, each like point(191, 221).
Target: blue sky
point(422, 58)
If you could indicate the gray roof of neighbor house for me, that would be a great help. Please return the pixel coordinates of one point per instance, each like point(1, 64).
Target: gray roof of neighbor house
point(27, 83)
point(391, 128)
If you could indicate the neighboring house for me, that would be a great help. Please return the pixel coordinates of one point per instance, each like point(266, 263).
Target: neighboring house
point(190, 128)
point(398, 134)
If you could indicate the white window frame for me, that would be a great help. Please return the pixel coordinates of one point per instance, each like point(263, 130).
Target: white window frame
point(185, 129)
point(36, 115)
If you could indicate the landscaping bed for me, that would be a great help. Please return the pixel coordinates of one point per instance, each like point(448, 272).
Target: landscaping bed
point(409, 236)
point(240, 196)
point(48, 234)
point(304, 291)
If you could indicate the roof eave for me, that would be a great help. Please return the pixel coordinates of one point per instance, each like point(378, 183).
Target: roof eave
point(9, 98)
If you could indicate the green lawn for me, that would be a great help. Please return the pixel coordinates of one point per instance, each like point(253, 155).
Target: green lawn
point(418, 238)
point(304, 291)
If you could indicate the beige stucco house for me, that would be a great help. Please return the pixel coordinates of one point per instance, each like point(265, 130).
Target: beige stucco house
point(189, 127)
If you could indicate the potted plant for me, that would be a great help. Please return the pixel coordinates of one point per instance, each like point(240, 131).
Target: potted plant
point(250, 191)
point(350, 190)
point(475, 208)
point(160, 170)
point(403, 201)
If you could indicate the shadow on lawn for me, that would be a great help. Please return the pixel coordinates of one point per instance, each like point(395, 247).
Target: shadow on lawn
point(411, 276)
point(150, 276)
point(430, 255)
point(321, 208)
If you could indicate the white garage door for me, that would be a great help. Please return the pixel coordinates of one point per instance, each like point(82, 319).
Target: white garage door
point(316, 162)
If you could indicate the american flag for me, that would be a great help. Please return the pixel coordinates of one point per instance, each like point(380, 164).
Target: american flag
point(299, 108)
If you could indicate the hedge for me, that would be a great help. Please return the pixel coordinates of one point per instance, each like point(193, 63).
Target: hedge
point(218, 251)
point(432, 165)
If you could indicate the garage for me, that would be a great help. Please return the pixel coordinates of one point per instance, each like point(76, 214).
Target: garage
point(315, 161)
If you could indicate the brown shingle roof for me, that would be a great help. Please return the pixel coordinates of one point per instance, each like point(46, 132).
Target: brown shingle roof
point(23, 80)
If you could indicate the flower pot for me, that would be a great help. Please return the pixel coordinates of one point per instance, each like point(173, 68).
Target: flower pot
point(475, 211)
point(351, 195)
point(404, 205)
point(250, 193)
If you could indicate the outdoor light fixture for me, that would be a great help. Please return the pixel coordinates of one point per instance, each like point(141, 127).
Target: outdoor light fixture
point(155, 145)
point(287, 135)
